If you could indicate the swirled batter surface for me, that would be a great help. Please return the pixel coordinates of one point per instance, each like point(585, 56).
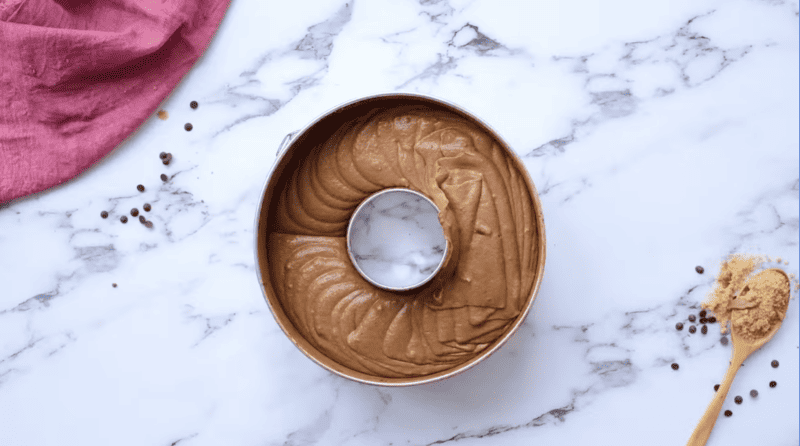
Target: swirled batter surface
point(489, 224)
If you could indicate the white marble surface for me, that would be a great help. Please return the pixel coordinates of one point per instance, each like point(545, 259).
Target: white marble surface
point(661, 135)
point(396, 240)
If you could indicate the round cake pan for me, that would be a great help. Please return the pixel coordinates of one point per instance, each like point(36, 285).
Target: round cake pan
point(296, 145)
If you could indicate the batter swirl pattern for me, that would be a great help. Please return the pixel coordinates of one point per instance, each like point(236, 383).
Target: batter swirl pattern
point(488, 221)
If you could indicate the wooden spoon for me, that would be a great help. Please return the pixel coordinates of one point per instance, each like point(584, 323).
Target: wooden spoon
point(742, 348)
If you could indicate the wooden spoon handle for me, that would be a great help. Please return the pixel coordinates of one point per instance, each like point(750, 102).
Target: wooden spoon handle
point(703, 430)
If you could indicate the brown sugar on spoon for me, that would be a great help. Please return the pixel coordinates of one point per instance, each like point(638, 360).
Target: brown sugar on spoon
point(763, 299)
point(730, 280)
point(763, 305)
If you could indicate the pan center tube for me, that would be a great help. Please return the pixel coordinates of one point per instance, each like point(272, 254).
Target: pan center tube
point(395, 240)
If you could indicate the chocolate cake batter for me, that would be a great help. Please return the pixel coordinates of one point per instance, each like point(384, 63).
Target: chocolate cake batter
point(488, 221)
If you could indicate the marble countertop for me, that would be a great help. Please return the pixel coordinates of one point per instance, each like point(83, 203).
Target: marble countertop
point(660, 135)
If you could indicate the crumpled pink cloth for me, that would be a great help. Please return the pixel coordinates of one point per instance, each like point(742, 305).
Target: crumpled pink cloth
point(77, 77)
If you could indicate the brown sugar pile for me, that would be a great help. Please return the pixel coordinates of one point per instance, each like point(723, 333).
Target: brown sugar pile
point(754, 303)
point(768, 293)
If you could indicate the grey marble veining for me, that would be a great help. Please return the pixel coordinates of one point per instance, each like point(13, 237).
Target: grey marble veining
point(396, 239)
point(660, 135)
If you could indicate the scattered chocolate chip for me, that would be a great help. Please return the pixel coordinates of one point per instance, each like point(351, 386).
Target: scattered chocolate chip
point(692, 318)
point(774, 363)
point(728, 413)
point(699, 269)
point(738, 400)
point(712, 319)
point(146, 207)
point(165, 162)
point(723, 340)
point(716, 387)
point(188, 127)
point(675, 366)
point(140, 188)
point(164, 178)
point(703, 320)
point(754, 393)
point(149, 224)
point(142, 219)
point(692, 329)
point(104, 214)
point(114, 285)
point(162, 155)
point(193, 104)
point(123, 219)
point(134, 212)
point(679, 326)
point(773, 384)
point(702, 313)
point(704, 330)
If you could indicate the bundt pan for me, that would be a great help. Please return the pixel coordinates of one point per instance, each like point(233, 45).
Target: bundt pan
point(472, 306)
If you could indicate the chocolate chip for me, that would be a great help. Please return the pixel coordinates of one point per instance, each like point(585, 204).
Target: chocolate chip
point(164, 178)
point(134, 212)
point(679, 326)
point(723, 340)
point(140, 188)
point(193, 104)
point(738, 400)
point(704, 330)
point(114, 285)
point(146, 207)
point(165, 162)
point(703, 320)
point(773, 384)
point(675, 366)
point(142, 219)
point(712, 319)
point(774, 363)
point(702, 313)
point(123, 219)
point(188, 127)
point(692, 329)
point(699, 269)
point(162, 155)
point(692, 318)
point(104, 214)
point(716, 387)
point(149, 224)
point(728, 413)
point(754, 393)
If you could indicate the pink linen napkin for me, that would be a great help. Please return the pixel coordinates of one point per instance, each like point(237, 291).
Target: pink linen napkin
point(77, 77)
